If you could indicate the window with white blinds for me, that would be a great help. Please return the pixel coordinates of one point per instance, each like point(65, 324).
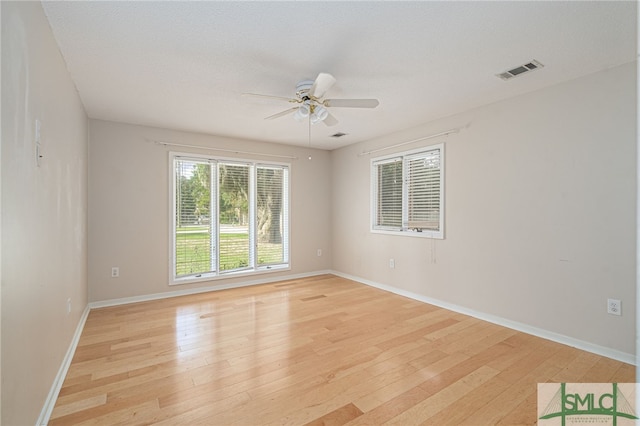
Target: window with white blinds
point(229, 217)
point(408, 193)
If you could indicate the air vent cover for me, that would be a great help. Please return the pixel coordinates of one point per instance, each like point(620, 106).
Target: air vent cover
point(522, 69)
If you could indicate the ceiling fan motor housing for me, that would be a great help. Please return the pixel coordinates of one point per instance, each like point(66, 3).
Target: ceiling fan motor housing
point(303, 87)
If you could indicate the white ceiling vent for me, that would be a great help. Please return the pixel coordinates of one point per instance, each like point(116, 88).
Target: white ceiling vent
point(522, 69)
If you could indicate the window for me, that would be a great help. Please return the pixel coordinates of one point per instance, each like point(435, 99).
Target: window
point(229, 217)
point(408, 193)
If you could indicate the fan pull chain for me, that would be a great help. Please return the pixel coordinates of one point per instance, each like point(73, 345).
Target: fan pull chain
point(309, 126)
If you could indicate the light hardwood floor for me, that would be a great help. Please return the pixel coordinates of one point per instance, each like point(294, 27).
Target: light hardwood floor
point(320, 350)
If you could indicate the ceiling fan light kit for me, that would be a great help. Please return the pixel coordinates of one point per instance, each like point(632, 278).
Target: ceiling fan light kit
point(303, 111)
point(319, 113)
point(309, 94)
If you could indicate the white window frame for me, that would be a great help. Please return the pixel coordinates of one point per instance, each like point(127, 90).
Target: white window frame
point(404, 230)
point(253, 268)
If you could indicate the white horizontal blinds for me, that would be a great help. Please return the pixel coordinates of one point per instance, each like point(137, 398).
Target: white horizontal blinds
point(194, 251)
point(271, 222)
point(388, 209)
point(233, 210)
point(423, 191)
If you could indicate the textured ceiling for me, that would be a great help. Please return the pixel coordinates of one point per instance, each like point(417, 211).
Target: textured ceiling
point(184, 65)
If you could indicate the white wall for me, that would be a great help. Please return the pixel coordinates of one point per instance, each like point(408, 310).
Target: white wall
point(129, 207)
point(540, 211)
point(44, 211)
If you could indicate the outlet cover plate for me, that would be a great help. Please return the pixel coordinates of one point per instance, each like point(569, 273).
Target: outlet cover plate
point(614, 307)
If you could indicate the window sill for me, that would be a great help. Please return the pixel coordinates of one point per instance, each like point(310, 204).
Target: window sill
point(192, 279)
point(423, 234)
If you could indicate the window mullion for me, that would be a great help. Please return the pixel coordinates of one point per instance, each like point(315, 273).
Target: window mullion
point(213, 219)
point(405, 194)
point(285, 215)
point(252, 215)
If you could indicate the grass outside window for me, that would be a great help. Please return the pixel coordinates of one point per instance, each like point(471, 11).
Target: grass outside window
point(194, 251)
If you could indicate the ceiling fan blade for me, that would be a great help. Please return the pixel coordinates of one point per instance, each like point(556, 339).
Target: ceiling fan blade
point(281, 98)
point(282, 113)
point(351, 103)
point(323, 83)
point(330, 120)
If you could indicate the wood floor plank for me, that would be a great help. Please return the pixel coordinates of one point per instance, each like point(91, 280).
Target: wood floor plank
point(438, 363)
point(602, 371)
point(496, 409)
point(578, 367)
point(130, 415)
point(625, 374)
point(188, 413)
point(317, 350)
point(423, 411)
point(472, 401)
point(337, 417)
point(388, 367)
point(80, 405)
point(519, 416)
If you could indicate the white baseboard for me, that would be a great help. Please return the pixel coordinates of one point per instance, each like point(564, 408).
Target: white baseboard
point(168, 294)
point(514, 325)
point(50, 402)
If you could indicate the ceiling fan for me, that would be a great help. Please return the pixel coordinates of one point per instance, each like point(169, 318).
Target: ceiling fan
point(309, 96)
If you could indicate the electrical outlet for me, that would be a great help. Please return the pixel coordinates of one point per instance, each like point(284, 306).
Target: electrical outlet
point(614, 307)
point(319, 252)
point(392, 263)
point(115, 272)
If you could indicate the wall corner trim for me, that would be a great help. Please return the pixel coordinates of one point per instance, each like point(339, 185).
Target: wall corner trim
point(514, 325)
point(50, 402)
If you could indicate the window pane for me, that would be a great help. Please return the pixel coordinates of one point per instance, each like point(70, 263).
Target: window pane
point(389, 194)
point(234, 216)
point(424, 191)
point(193, 254)
point(270, 217)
